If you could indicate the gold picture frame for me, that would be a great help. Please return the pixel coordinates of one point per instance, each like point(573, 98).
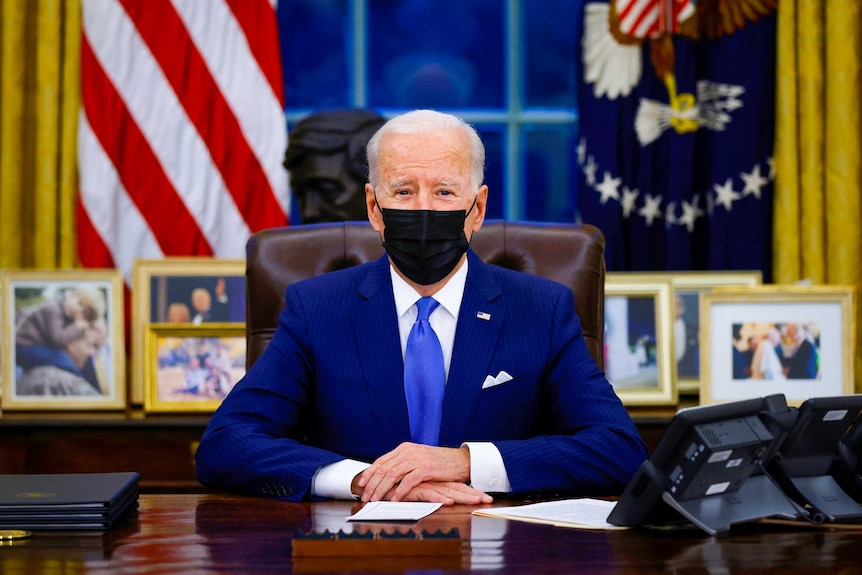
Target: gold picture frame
point(638, 340)
point(191, 368)
point(795, 340)
point(63, 340)
point(160, 286)
point(688, 287)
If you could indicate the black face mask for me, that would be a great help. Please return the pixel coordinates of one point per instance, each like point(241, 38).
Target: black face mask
point(425, 245)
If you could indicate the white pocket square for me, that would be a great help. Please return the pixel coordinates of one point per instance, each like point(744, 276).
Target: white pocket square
point(502, 377)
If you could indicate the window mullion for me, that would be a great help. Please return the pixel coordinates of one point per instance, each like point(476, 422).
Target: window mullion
point(512, 169)
point(359, 45)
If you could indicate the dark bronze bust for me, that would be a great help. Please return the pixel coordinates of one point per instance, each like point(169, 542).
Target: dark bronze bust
point(326, 160)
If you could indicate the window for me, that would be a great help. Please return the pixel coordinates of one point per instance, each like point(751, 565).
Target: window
point(506, 66)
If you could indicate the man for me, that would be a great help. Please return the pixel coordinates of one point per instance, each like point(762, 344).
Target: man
point(802, 361)
point(525, 409)
point(207, 310)
point(326, 160)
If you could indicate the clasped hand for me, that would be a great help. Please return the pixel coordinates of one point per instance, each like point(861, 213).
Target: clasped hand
point(415, 472)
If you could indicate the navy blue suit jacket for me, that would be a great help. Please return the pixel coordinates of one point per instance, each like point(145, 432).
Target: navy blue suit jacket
point(330, 386)
point(803, 363)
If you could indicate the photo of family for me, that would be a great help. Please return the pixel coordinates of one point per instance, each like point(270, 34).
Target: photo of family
point(64, 344)
point(194, 371)
point(776, 351)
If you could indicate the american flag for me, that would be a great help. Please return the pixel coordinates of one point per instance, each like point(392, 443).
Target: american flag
point(652, 18)
point(182, 129)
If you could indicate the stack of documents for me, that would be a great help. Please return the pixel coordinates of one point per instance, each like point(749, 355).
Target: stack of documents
point(66, 501)
point(581, 513)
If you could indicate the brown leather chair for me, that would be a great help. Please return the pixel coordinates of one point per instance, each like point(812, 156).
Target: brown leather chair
point(570, 254)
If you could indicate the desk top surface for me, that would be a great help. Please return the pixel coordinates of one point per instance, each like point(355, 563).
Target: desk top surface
point(215, 533)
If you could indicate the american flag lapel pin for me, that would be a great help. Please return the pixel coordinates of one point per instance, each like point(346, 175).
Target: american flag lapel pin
point(483, 315)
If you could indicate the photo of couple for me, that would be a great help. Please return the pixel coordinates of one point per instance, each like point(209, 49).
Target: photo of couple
point(776, 351)
point(197, 299)
point(62, 340)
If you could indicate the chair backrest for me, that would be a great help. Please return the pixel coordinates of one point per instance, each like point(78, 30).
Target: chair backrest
point(276, 258)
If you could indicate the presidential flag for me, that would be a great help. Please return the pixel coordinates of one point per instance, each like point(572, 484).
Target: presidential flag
point(676, 102)
point(182, 129)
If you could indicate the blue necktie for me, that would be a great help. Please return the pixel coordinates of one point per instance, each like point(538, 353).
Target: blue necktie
point(424, 376)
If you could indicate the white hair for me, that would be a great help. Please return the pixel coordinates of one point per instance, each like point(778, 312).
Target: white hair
point(422, 122)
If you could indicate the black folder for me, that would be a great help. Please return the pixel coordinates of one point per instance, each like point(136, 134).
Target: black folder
point(66, 500)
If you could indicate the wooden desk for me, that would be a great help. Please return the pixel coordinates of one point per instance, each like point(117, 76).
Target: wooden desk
point(214, 533)
point(160, 448)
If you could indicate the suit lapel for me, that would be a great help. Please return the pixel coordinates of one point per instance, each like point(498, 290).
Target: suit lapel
point(375, 328)
point(475, 339)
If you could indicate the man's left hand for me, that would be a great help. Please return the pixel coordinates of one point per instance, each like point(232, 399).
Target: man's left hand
point(447, 493)
point(408, 465)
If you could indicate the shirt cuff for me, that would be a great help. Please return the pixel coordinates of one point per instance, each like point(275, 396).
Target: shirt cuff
point(487, 470)
point(333, 481)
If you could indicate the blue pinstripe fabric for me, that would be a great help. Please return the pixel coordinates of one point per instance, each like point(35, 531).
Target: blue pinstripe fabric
point(331, 385)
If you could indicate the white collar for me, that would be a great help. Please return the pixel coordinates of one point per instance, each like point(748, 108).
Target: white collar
point(449, 296)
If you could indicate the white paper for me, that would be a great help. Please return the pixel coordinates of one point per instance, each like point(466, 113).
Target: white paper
point(394, 511)
point(583, 513)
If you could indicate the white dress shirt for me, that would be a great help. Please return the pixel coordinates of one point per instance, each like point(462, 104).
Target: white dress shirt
point(487, 471)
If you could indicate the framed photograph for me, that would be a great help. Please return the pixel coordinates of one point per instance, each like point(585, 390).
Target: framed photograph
point(637, 351)
point(182, 291)
point(191, 368)
point(62, 339)
point(795, 340)
point(688, 288)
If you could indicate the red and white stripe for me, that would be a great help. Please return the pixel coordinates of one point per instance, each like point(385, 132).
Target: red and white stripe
point(652, 18)
point(182, 131)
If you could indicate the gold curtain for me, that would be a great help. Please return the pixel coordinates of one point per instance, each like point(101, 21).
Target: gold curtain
point(40, 47)
point(818, 149)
